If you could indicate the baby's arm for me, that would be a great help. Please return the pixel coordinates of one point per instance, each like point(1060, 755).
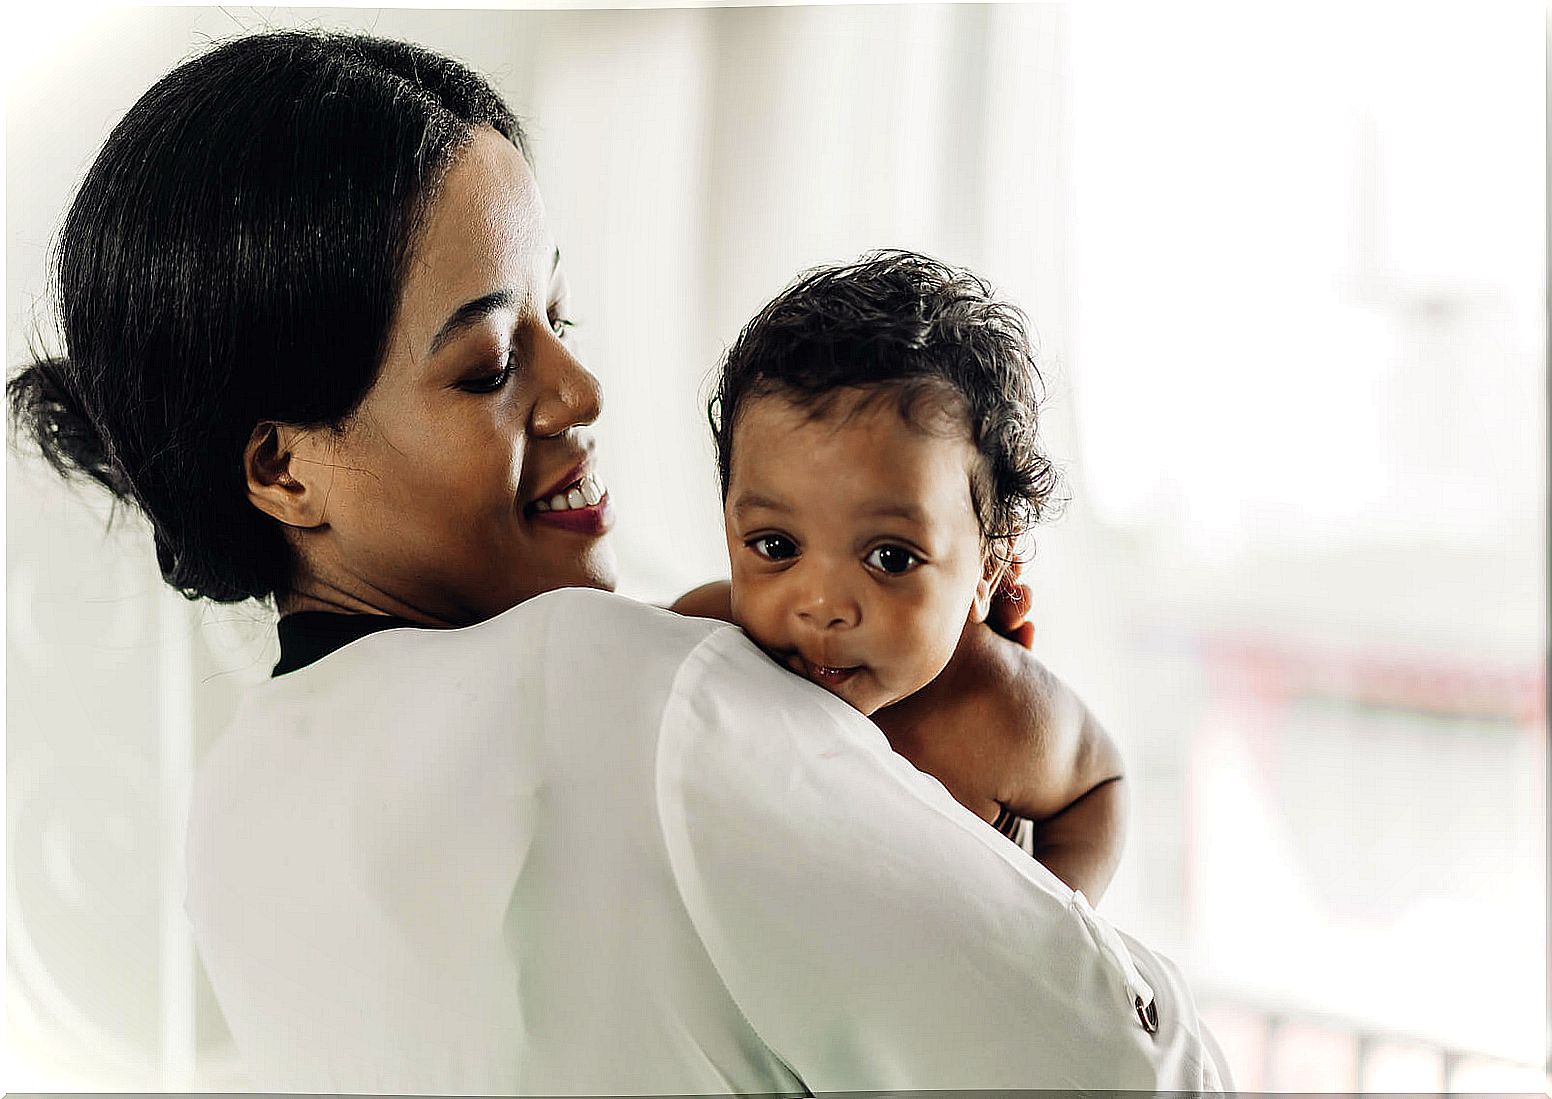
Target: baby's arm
point(1047, 758)
point(1065, 774)
point(713, 600)
point(1000, 731)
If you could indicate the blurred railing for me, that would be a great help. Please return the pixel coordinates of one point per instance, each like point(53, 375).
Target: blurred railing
point(1282, 1047)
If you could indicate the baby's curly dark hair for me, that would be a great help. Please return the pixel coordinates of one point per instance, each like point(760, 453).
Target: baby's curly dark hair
point(898, 323)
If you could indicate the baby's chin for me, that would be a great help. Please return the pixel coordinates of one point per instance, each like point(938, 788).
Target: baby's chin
point(859, 695)
point(861, 690)
point(863, 700)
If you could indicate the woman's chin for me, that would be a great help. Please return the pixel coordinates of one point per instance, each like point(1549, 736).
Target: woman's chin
point(602, 571)
point(593, 567)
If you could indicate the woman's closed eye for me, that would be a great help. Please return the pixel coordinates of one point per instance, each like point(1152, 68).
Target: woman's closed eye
point(892, 560)
point(489, 383)
point(773, 547)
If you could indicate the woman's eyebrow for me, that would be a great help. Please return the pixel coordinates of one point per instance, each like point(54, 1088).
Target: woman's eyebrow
point(471, 312)
point(476, 310)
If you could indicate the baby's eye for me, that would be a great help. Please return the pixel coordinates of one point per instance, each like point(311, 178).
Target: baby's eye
point(773, 547)
point(893, 559)
point(558, 325)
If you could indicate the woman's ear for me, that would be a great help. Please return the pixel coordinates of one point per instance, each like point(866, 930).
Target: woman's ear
point(278, 485)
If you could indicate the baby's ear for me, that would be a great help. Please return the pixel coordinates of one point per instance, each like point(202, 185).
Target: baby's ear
point(994, 570)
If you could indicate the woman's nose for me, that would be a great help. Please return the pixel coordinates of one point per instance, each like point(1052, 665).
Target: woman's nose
point(569, 396)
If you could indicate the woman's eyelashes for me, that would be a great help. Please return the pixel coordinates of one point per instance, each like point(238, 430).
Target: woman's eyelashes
point(489, 383)
point(556, 314)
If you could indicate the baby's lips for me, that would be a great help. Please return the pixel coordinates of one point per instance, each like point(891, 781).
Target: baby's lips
point(799, 664)
point(832, 675)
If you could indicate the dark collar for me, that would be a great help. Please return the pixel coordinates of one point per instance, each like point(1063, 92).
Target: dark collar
point(306, 636)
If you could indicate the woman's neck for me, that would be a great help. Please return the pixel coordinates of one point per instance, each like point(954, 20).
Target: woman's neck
point(335, 600)
point(295, 602)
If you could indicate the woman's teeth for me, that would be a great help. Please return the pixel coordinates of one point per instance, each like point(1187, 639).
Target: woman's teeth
point(584, 494)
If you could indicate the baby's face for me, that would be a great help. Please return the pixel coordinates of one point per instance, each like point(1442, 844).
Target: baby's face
point(856, 553)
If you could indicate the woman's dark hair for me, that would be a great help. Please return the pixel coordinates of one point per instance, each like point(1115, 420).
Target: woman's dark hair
point(901, 324)
point(234, 256)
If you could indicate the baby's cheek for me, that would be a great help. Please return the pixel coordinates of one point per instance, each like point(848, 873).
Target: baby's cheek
point(749, 613)
point(738, 601)
point(937, 640)
point(919, 653)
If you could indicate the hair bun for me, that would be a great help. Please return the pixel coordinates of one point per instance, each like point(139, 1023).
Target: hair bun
point(46, 407)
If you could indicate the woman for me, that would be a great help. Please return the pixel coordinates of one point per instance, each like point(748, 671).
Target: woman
point(479, 833)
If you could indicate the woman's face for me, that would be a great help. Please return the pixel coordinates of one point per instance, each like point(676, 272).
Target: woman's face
point(465, 483)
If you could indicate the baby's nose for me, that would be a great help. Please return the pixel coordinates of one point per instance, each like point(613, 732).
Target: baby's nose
point(829, 610)
point(825, 619)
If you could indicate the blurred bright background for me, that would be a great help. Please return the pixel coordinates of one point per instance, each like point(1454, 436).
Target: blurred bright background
point(1287, 267)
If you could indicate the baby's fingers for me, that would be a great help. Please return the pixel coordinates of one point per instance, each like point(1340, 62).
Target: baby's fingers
point(1009, 614)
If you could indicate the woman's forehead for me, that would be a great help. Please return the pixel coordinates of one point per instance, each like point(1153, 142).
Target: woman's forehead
point(484, 233)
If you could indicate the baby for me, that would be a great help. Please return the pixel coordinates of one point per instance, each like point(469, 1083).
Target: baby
point(875, 433)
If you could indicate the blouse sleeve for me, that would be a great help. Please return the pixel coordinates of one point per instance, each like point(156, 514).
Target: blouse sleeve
point(875, 933)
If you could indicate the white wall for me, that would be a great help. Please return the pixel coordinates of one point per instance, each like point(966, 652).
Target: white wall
point(1308, 355)
point(1286, 268)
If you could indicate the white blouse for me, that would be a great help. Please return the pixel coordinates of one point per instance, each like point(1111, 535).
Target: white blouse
point(592, 847)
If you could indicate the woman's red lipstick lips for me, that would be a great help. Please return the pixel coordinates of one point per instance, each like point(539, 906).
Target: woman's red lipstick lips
point(595, 520)
point(569, 478)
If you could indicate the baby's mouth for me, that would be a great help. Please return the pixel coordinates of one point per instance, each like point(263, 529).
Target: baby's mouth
point(823, 674)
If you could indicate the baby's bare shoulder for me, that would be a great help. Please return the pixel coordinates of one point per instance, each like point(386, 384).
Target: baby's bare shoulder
point(1048, 738)
point(1017, 689)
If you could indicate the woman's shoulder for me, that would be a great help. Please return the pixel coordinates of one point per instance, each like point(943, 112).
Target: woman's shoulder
point(593, 603)
point(576, 618)
point(593, 620)
point(558, 641)
point(564, 679)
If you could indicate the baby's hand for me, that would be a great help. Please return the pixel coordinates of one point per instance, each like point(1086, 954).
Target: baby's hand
point(1009, 613)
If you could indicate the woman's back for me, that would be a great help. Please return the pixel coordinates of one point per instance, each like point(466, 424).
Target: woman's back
point(407, 864)
point(588, 846)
